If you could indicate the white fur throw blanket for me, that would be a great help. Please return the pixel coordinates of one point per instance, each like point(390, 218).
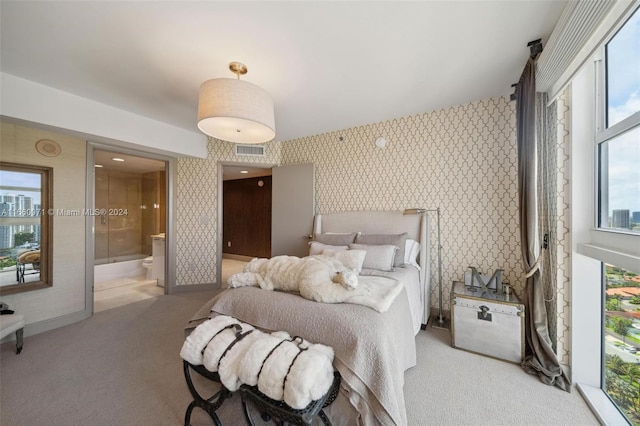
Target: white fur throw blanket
point(320, 278)
point(286, 369)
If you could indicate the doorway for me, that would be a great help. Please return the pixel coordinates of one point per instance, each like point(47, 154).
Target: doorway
point(246, 216)
point(291, 212)
point(129, 228)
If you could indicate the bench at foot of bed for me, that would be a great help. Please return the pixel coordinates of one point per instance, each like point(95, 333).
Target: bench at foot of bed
point(211, 404)
point(270, 408)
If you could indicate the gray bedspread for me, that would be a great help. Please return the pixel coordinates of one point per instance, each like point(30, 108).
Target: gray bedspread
point(372, 349)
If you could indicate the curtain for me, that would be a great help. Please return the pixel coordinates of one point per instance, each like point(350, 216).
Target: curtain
point(549, 220)
point(546, 131)
point(540, 358)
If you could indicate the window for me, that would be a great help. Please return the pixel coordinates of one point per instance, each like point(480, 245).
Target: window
point(618, 212)
point(623, 72)
point(621, 370)
point(618, 134)
point(25, 227)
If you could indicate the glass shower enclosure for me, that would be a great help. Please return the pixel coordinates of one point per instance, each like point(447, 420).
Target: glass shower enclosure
point(130, 206)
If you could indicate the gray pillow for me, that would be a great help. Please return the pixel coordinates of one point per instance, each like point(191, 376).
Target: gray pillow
point(378, 257)
point(335, 239)
point(317, 248)
point(398, 240)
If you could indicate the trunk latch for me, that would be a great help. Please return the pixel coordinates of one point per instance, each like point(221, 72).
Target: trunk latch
point(484, 313)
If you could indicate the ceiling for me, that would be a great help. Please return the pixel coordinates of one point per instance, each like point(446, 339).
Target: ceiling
point(328, 65)
point(134, 164)
point(243, 172)
point(131, 163)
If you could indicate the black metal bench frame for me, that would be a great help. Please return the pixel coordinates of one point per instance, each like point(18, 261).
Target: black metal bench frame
point(269, 408)
point(211, 404)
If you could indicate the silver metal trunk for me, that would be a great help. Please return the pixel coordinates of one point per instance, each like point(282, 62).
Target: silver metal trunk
point(487, 323)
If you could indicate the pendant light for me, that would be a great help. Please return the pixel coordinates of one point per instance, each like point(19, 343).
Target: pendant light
point(236, 111)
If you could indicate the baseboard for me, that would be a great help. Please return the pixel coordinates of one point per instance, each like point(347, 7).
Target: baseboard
point(50, 324)
point(237, 257)
point(194, 287)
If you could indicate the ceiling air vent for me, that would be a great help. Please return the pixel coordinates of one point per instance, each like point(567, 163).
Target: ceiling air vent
point(254, 150)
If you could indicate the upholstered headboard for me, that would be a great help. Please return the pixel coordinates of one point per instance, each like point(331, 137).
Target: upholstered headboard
point(385, 222)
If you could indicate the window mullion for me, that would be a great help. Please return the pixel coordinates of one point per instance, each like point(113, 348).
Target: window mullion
point(625, 125)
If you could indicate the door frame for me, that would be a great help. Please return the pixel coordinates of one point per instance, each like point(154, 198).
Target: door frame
point(219, 213)
point(170, 229)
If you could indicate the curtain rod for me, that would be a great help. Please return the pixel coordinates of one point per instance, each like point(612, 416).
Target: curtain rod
point(535, 48)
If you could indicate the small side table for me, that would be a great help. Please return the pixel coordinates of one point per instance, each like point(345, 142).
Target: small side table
point(488, 323)
point(12, 323)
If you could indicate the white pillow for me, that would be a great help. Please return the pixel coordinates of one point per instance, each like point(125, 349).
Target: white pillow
point(411, 251)
point(352, 259)
point(317, 248)
point(380, 257)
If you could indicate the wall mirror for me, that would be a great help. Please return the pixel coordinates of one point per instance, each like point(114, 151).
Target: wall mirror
point(26, 219)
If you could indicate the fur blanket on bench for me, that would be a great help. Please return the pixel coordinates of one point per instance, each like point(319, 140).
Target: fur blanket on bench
point(284, 368)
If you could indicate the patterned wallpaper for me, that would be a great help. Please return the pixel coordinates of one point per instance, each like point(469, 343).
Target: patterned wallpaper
point(462, 159)
point(197, 205)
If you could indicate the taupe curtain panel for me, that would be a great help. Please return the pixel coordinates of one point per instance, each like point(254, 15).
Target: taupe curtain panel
point(540, 358)
point(546, 131)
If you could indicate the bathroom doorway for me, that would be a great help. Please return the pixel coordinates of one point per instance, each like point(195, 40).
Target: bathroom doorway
point(129, 228)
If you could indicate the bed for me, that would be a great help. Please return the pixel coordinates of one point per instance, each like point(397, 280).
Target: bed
point(372, 349)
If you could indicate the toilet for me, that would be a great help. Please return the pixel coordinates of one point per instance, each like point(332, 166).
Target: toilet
point(148, 264)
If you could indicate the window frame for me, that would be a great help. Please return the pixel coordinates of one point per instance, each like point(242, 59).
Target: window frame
point(46, 228)
point(608, 245)
point(604, 134)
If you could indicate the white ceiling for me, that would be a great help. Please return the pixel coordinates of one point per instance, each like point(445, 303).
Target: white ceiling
point(328, 65)
point(131, 163)
point(243, 172)
point(135, 164)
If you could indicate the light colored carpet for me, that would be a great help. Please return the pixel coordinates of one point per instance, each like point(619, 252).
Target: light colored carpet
point(122, 367)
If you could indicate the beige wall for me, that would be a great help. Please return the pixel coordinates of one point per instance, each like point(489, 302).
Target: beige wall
point(67, 296)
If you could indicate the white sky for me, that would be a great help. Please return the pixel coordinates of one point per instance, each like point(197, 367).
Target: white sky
point(623, 85)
